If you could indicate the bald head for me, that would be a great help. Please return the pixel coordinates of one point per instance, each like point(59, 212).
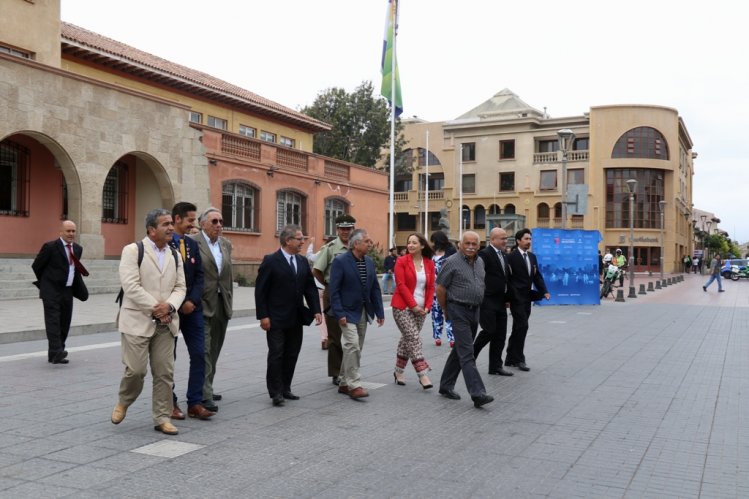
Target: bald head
point(498, 238)
point(67, 231)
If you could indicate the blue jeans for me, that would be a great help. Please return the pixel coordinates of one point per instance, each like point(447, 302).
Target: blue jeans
point(388, 277)
point(712, 278)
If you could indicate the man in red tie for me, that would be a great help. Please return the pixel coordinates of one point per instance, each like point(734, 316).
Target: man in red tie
point(59, 278)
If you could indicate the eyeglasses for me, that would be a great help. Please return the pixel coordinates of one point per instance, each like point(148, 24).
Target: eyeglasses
point(217, 221)
point(298, 238)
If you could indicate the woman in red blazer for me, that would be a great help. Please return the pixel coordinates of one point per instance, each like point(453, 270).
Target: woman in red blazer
point(412, 300)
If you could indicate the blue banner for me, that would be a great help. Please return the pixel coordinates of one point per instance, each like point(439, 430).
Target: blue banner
point(568, 260)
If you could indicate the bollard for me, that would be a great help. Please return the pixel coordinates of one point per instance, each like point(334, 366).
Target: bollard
point(658, 285)
point(632, 292)
point(664, 283)
point(642, 290)
point(650, 286)
point(670, 281)
point(619, 295)
point(681, 278)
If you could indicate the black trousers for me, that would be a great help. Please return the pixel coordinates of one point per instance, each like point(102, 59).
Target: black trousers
point(493, 324)
point(58, 312)
point(283, 351)
point(465, 323)
point(520, 311)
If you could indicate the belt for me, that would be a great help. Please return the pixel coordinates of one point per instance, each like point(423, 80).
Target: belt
point(466, 305)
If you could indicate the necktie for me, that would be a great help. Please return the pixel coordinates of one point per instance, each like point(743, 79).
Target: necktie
point(291, 262)
point(501, 262)
point(78, 265)
point(182, 248)
point(527, 263)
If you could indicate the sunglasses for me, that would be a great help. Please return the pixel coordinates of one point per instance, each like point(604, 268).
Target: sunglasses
point(217, 221)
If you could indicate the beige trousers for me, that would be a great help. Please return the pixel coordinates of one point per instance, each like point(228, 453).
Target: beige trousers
point(136, 352)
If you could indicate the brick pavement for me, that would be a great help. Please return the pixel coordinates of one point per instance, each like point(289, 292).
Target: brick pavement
point(635, 399)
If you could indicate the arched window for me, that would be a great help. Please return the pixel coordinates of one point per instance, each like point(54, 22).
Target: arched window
point(510, 209)
point(423, 154)
point(542, 211)
point(14, 179)
point(494, 209)
point(333, 208)
point(479, 217)
point(641, 142)
point(558, 210)
point(465, 217)
point(289, 209)
point(239, 206)
point(114, 195)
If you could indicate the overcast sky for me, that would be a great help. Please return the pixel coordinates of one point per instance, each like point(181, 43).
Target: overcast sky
point(565, 56)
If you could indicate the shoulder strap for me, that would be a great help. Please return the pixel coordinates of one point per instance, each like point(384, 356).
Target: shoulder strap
point(139, 245)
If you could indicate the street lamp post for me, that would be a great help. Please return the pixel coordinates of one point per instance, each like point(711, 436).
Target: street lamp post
point(566, 137)
point(704, 242)
point(632, 186)
point(709, 225)
point(464, 215)
point(662, 205)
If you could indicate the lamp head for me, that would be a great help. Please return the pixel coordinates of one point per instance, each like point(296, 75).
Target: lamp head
point(632, 185)
point(566, 137)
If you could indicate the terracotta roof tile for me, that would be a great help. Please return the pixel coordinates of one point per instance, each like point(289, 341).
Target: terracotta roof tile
point(79, 37)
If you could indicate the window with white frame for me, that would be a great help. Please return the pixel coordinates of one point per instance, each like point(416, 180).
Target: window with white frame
point(288, 142)
point(267, 136)
point(217, 122)
point(247, 131)
point(238, 206)
point(289, 207)
point(333, 208)
point(196, 117)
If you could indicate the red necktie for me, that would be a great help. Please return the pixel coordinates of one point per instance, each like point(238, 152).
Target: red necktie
point(78, 265)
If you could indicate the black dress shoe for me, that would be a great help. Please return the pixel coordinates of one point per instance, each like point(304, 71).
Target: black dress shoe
point(59, 358)
point(502, 372)
point(450, 394)
point(278, 400)
point(482, 400)
point(209, 405)
point(290, 396)
point(217, 397)
point(519, 365)
point(336, 380)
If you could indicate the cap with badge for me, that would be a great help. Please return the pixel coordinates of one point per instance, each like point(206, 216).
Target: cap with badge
point(345, 221)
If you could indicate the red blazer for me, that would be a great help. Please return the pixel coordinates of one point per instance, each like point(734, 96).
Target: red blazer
point(405, 283)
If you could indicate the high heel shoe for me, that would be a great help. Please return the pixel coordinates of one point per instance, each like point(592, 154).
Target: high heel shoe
point(438, 342)
point(398, 381)
point(427, 385)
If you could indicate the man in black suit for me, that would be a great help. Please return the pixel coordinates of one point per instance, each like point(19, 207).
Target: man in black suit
point(59, 278)
point(524, 276)
point(284, 281)
point(493, 312)
point(184, 215)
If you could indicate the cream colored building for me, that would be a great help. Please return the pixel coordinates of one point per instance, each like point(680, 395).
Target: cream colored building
point(511, 166)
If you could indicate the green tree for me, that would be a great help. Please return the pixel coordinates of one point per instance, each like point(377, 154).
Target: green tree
point(360, 125)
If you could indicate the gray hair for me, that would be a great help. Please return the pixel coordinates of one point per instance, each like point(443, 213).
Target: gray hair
point(356, 235)
point(152, 218)
point(288, 232)
point(207, 212)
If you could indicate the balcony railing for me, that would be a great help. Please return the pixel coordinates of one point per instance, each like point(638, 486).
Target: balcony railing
point(437, 195)
point(240, 147)
point(336, 170)
point(291, 159)
point(400, 196)
point(555, 157)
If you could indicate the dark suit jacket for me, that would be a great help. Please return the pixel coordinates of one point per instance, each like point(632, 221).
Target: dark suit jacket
point(520, 281)
point(496, 292)
point(193, 266)
point(348, 296)
point(280, 294)
point(51, 267)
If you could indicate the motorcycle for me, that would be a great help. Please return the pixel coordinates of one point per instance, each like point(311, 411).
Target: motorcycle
point(612, 275)
point(739, 273)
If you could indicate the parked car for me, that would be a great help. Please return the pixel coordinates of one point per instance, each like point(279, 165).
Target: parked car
point(733, 265)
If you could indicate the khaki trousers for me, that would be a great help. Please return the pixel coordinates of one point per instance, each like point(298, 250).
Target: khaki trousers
point(352, 342)
point(136, 352)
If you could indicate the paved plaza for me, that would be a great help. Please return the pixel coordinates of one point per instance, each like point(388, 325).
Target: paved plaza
point(637, 399)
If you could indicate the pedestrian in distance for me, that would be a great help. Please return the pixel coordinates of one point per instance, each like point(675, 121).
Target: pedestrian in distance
point(388, 286)
point(443, 249)
point(715, 265)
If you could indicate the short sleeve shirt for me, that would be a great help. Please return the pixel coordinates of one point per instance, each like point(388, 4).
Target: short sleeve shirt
point(325, 257)
point(463, 280)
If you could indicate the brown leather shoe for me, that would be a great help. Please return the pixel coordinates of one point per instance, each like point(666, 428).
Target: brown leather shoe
point(358, 393)
point(343, 389)
point(166, 428)
point(200, 412)
point(177, 413)
point(118, 413)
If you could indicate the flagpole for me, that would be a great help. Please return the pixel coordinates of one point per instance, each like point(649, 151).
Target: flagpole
point(426, 192)
point(460, 208)
point(391, 234)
